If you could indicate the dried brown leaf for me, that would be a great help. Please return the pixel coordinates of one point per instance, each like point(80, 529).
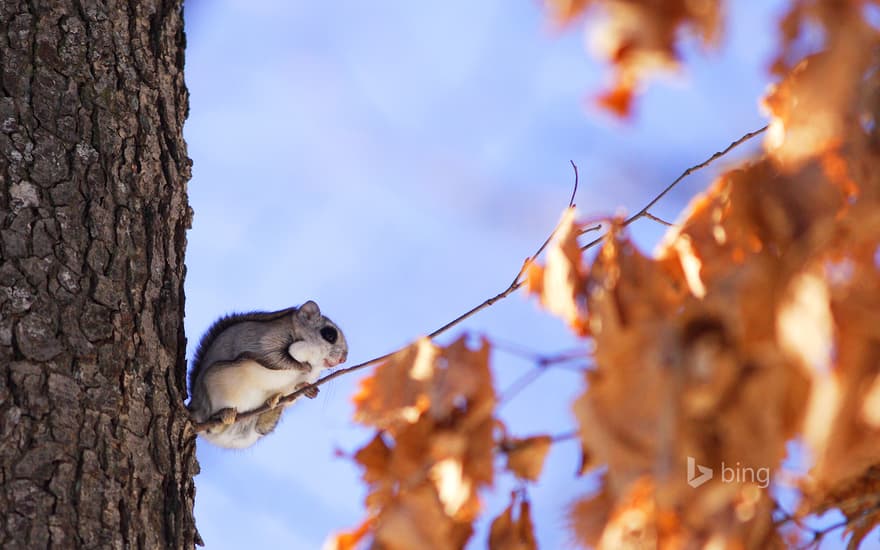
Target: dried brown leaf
point(416, 520)
point(618, 100)
point(348, 540)
point(639, 37)
point(375, 458)
point(534, 278)
point(434, 407)
point(395, 393)
point(563, 275)
point(815, 107)
point(564, 11)
point(465, 378)
point(839, 430)
point(587, 517)
point(633, 523)
point(525, 457)
point(804, 323)
point(509, 533)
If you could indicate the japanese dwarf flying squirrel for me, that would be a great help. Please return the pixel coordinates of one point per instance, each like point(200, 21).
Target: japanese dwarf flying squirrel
point(246, 360)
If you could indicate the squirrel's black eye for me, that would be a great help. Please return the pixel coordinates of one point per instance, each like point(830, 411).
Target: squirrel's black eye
point(329, 334)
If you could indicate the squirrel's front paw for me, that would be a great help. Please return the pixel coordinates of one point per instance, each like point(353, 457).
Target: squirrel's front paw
point(311, 391)
point(226, 416)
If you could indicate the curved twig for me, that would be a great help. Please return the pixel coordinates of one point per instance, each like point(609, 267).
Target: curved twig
point(718, 154)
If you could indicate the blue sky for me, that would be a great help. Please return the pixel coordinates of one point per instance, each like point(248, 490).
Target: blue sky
point(395, 162)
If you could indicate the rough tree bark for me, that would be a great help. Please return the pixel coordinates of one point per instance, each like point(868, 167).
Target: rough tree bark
point(95, 447)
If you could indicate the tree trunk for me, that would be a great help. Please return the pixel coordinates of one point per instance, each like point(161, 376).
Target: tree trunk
point(95, 447)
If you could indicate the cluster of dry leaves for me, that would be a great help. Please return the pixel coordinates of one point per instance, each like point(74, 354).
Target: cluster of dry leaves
point(756, 323)
point(434, 449)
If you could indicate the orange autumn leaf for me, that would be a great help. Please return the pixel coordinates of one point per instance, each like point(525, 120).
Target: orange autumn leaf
point(639, 37)
point(588, 516)
point(815, 106)
point(561, 285)
point(395, 393)
point(840, 427)
point(633, 523)
point(416, 520)
point(618, 101)
point(509, 533)
point(375, 458)
point(563, 11)
point(434, 409)
point(836, 168)
point(465, 375)
point(534, 278)
point(348, 540)
point(525, 457)
point(804, 323)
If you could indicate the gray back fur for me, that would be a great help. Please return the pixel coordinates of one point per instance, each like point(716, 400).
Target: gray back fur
point(220, 341)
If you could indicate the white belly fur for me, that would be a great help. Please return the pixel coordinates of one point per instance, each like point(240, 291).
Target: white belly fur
point(247, 384)
point(234, 437)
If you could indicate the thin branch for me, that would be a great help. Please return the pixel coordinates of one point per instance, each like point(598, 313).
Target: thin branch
point(566, 436)
point(525, 380)
point(575, 190)
point(596, 227)
point(789, 517)
point(515, 349)
point(543, 363)
point(508, 444)
point(818, 535)
point(693, 169)
point(849, 522)
point(644, 211)
point(561, 358)
point(536, 357)
point(659, 220)
point(513, 287)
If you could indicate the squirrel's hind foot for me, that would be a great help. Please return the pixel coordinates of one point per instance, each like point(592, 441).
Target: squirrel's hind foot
point(226, 416)
point(311, 391)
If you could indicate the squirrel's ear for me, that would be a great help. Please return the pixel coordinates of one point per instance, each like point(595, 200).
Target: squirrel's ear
point(309, 310)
